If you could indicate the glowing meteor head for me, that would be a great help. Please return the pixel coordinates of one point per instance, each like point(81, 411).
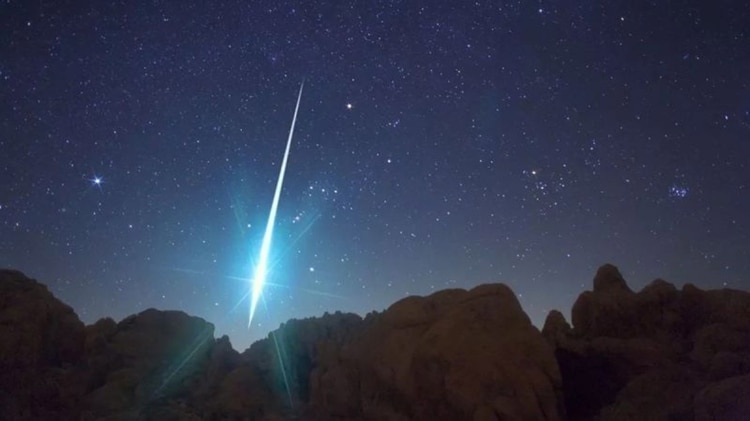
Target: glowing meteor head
point(258, 282)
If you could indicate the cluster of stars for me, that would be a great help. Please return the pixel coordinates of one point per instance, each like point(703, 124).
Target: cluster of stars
point(523, 143)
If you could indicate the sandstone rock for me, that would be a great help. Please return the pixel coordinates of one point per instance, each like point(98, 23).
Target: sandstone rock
point(222, 361)
point(149, 356)
point(646, 354)
point(36, 327)
point(452, 355)
point(660, 353)
point(241, 395)
point(727, 400)
point(609, 280)
point(595, 371)
point(728, 364)
point(609, 309)
point(556, 328)
point(286, 358)
point(665, 393)
point(709, 340)
point(41, 340)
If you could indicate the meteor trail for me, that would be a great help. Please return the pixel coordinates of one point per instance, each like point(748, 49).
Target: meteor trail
point(259, 279)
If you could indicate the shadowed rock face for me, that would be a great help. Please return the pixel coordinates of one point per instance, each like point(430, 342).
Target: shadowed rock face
point(660, 353)
point(143, 359)
point(40, 340)
point(453, 355)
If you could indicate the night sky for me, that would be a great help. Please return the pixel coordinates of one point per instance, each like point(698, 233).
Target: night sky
point(436, 146)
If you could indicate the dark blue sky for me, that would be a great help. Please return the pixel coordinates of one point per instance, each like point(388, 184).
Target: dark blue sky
point(437, 146)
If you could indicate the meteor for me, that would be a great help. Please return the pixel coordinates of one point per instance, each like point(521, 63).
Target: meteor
point(261, 271)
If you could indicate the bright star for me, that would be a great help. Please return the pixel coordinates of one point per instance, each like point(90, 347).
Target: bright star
point(96, 181)
point(349, 106)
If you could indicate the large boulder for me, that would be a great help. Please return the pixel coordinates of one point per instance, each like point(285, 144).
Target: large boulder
point(41, 342)
point(455, 354)
point(145, 361)
point(726, 400)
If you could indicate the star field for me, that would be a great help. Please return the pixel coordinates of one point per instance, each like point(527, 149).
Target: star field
point(437, 146)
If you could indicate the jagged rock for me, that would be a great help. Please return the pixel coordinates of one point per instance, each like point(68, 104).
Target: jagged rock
point(41, 340)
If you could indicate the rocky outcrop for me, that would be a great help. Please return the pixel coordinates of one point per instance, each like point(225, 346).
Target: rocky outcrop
point(660, 353)
point(41, 340)
point(52, 367)
point(137, 363)
point(727, 399)
point(288, 356)
point(452, 355)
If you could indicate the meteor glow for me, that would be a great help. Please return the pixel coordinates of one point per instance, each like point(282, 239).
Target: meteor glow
point(261, 271)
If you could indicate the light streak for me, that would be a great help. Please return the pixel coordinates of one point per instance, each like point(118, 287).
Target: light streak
point(261, 271)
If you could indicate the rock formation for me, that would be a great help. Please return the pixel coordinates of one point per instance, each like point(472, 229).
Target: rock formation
point(453, 355)
point(41, 340)
point(141, 361)
point(658, 354)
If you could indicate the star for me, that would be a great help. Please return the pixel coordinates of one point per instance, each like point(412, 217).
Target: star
point(96, 181)
point(468, 143)
point(678, 191)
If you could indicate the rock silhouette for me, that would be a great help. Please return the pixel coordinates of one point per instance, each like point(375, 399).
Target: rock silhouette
point(41, 341)
point(657, 354)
